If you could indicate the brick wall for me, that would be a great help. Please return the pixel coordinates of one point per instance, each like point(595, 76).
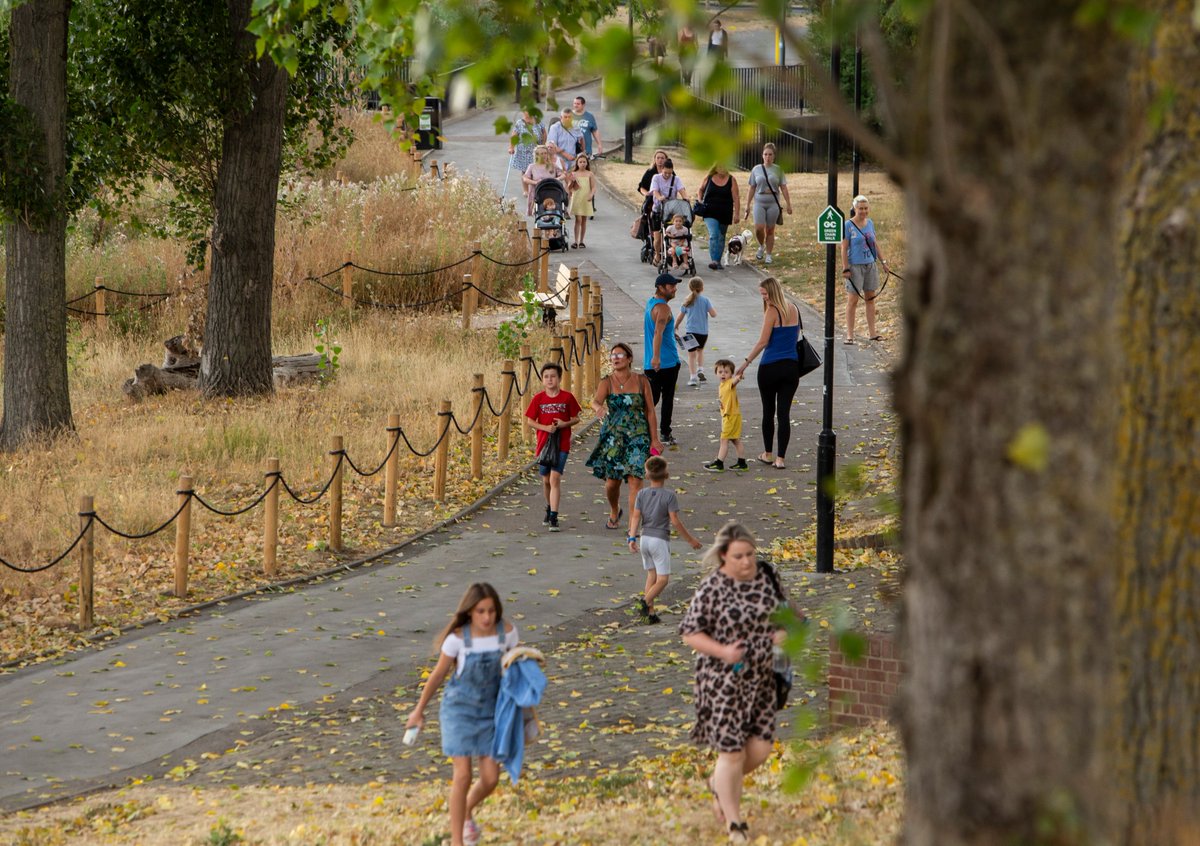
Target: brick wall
point(861, 692)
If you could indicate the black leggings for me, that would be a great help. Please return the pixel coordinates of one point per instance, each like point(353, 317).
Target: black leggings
point(777, 383)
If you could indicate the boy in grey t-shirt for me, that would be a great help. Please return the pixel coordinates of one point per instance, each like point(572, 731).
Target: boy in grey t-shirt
point(655, 510)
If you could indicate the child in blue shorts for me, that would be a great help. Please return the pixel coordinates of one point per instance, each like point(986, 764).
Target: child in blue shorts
point(553, 412)
point(655, 510)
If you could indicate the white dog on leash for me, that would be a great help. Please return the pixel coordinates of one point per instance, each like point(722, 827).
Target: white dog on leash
point(737, 245)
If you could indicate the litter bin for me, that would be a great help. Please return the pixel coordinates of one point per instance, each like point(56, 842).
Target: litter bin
point(429, 125)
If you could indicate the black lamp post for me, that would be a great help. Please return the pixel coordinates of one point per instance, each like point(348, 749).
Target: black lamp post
point(827, 441)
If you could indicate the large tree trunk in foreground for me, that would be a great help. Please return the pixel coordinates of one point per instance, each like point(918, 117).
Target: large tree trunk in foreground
point(36, 397)
point(236, 359)
point(1015, 124)
point(1159, 495)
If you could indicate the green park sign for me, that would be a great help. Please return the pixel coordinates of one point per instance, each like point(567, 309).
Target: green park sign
point(829, 226)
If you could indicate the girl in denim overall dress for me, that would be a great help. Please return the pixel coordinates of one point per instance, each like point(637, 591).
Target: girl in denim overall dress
point(470, 649)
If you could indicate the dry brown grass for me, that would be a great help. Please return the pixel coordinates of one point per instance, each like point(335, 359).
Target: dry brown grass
point(129, 456)
point(854, 800)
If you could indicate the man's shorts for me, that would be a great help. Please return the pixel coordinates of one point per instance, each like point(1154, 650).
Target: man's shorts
point(557, 468)
point(656, 555)
point(865, 277)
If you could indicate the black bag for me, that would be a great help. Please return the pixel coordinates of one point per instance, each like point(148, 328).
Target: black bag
point(549, 455)
point(782, 665)
point(700, 208)
point(638, 230)
point(809, 360)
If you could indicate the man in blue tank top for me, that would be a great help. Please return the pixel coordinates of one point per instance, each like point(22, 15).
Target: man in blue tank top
point(661, 357)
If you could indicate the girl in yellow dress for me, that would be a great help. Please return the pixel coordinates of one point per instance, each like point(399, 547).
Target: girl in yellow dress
point(582, 186)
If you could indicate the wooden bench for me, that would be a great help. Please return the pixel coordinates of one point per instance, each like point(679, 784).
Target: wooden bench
point(551, 301)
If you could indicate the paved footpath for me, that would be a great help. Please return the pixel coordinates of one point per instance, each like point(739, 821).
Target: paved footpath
point(311, 684)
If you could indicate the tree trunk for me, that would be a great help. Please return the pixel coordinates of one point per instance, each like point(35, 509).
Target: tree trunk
point(36, 395)
point(236, 359)
point(1159, 463)
point(1016, 129)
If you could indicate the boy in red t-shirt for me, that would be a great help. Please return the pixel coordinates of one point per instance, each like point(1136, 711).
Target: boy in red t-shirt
point(553, 411)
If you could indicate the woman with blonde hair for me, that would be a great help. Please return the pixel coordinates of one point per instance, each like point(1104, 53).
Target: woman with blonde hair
point(543, 167)
point(779, 371)
point(728, 623)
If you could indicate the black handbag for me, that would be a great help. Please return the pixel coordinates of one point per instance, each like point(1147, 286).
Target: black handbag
point(809, 360)
point(782, 665)
point(700, 208)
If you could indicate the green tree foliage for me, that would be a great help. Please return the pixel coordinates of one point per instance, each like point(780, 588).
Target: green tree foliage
point(153, 85)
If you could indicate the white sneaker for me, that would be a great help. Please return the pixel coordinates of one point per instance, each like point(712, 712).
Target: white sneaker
point(693, 382)
point(759, 254)
point(767, 258)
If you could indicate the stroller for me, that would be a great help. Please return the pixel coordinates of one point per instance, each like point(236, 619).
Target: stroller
point(671, 209)
point(646, 230)
point(550, 211)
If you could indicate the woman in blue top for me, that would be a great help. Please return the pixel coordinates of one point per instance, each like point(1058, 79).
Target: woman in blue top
point(779, 372)
point(696, 310)
point(860, 251)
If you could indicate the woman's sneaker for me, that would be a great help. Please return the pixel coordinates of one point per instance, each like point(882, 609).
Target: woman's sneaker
point(758, 255)
point(700, 375)
point(693, 382)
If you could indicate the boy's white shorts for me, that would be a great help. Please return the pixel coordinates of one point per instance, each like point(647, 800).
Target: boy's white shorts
point(656, 555)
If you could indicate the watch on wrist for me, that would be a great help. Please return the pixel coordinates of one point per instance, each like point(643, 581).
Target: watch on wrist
point(631, 539)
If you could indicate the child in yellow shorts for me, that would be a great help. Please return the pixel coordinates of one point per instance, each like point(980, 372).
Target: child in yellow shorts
point(731, 418)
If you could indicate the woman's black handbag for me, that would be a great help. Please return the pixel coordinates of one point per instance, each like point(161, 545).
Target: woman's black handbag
point(809, 360)
point(548, 457)
point(699, 207)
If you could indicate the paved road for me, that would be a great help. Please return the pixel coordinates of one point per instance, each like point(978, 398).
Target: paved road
point(175, 694)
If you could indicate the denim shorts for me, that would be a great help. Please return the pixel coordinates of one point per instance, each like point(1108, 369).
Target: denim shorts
point(557, 468)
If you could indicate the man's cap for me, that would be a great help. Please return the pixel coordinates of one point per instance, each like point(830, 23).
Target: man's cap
point(665, 279)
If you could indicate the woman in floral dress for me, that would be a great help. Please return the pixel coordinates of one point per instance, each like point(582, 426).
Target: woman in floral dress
point(627, 431)
point(728, 624)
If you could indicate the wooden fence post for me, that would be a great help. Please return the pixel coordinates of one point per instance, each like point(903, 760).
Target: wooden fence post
point(433, 169)
point(87, 562)
point(544, 267)
point(441, 456)
point(598, 361)
point(466, 301)
point(477, 267)
point(101, 305)
point(477, 428)
point(508, 386)
point(335, 494)
point(526, 364)
point(573, 295)
point(538, 247)
point(183, 528)
point(347, 285)
point(559, 356)
point(271, 518)
point(581, 346)
point(392, 474)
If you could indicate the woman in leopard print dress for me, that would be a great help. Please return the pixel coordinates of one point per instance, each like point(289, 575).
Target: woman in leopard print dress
point(728, 624)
